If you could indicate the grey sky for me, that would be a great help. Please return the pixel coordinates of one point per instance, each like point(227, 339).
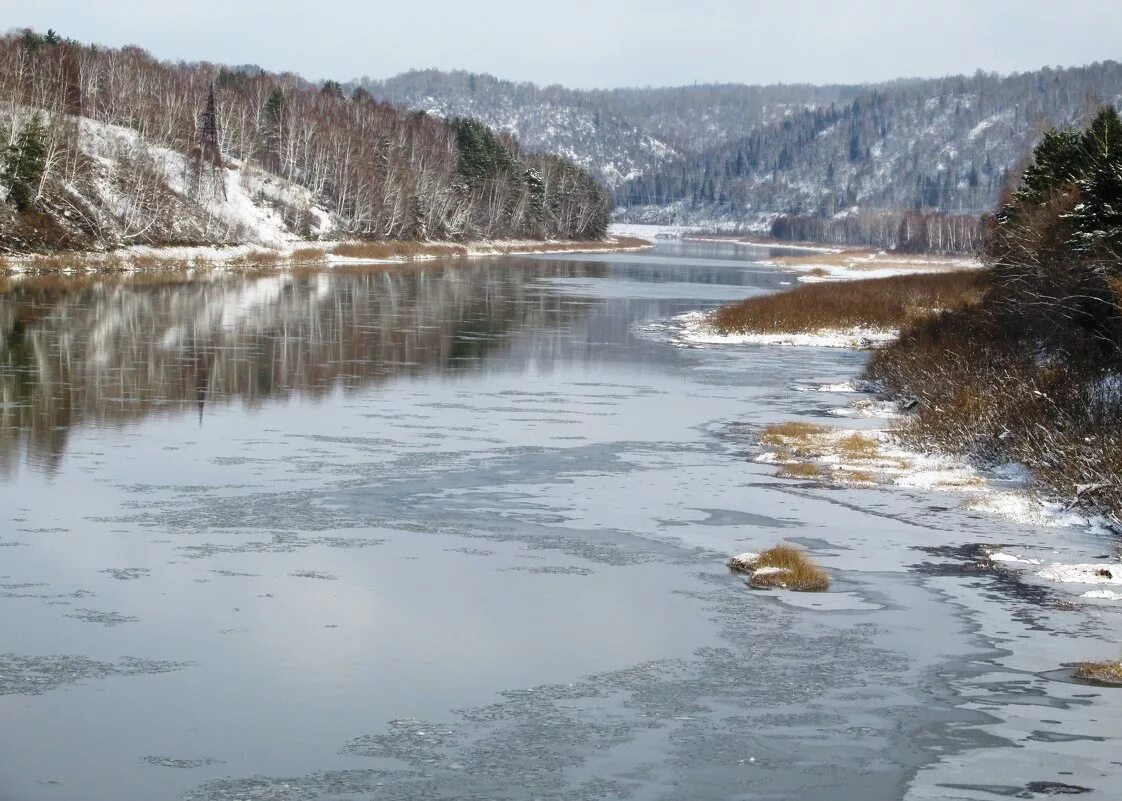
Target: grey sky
point(602, 44)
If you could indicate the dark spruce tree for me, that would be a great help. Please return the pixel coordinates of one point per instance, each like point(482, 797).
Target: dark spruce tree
point(24, 164)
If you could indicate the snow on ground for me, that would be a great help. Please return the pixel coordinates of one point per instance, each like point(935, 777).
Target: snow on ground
point(856, 266)
point(1023, 507)
point(694, 328)
point(649, 232)
point(769, 245)
point(280, 256)
point(1102, 573)
point(243, 202)
point(1103, 595)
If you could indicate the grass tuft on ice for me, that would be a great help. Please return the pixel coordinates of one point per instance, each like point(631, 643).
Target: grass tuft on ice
point(1105, 672)
point(781, 567)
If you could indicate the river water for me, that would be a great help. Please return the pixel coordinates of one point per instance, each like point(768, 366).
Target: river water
point(459, 532)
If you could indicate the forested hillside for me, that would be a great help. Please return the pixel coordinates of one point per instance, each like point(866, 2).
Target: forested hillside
point(945, 145)
point(745, 155)
point(616, 133)
point(106, 147)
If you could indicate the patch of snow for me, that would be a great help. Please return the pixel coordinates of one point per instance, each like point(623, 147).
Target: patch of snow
point(764, 244)
point(744, 561)
point(845, 386)
point(242, 203)
point(1000, 556)
point(1022, 507)
point(877, 408)
point(1105, 573)
point(770, 571)
point(649, 232)
point(694, 328)
point(1104, 595)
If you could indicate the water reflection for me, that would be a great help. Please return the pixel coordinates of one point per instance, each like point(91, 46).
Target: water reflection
point(76, 351)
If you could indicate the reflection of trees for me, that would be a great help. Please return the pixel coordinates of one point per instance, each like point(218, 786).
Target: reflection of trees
point(112, 351)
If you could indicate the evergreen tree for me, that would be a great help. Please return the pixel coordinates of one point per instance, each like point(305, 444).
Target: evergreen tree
point(24, 164)
point(482, 155)
point(332, 89)
point(1098, 216)
point(1057, 161)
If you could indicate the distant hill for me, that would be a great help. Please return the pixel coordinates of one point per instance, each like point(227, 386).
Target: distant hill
point(743, 154)
point(618, 134)
point(944, 145)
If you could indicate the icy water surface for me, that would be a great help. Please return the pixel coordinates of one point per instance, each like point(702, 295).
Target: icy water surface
point(459, 532)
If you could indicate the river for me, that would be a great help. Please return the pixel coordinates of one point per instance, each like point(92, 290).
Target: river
point(459, 531)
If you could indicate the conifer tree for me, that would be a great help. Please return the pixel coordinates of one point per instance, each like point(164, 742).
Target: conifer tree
point(1097, 219)
point(24, 164)
point(272, 131)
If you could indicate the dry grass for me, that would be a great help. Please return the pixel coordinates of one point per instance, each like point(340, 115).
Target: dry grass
point(791, 434)
point(1107, 672)
point(810, 451)
point(857, 446)
point(618, 243)
point(859, 478)
point(308, 255)
point(258, 259)
point(385, 251)
point(879, 303)
point(788, 567)
point(803, 470)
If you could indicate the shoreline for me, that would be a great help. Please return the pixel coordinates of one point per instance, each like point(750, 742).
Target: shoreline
point(877, 453)
point(174, 258)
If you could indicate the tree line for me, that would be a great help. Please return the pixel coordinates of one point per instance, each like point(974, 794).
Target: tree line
point(903, 231)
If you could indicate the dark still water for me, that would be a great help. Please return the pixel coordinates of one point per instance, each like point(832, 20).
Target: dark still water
point(459, 531)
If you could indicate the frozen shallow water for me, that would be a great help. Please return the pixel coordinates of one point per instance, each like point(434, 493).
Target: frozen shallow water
point(459, 533)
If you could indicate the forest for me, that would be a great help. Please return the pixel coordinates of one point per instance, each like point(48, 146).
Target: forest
point(946, 145)
point(104, 147)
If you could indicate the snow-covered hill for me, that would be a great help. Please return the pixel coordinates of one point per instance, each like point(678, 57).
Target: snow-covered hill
point(617, 134)
point(230, 204)
point(745, 154)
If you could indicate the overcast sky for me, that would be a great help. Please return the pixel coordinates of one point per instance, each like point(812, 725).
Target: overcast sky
point(602, 44)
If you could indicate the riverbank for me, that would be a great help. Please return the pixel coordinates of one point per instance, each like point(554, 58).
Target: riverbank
point(942, 408)
point(299, 254)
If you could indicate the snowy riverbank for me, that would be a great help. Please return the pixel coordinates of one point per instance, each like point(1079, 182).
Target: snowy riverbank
point(295, 254)
point(868, 451)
